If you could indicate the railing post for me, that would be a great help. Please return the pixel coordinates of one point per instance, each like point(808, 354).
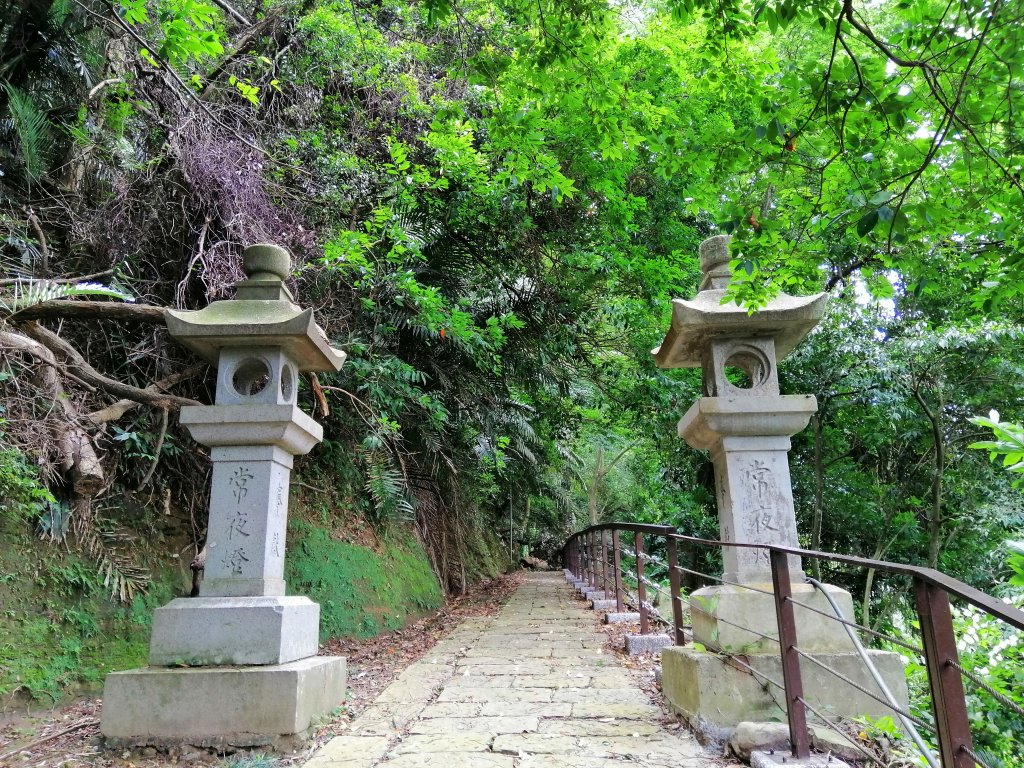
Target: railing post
point(590, 559)
point(795, 710)
point(617, 564)
point(949, 706)
point(641, 588)
point(604, 564)
point(675, 597)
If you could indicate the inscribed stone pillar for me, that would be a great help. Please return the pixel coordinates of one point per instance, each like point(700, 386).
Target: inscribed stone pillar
point(745, 424)
point(253, 675)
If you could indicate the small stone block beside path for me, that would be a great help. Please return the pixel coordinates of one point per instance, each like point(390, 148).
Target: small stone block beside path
point(533, 686)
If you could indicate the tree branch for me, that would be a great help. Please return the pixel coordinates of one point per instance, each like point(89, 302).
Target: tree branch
point(89, 310)
point(81, 368)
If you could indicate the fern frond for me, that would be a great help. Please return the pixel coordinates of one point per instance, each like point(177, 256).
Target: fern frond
point(27, 293)
point(32, 129)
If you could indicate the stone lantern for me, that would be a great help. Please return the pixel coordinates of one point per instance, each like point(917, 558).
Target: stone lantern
point(238, 664)
point(746, 425)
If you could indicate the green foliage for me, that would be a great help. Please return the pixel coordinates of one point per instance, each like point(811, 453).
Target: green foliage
point(29, 292)
point(29, 123)
point(361, 592)
point(187, 31)
point(22, 495)
point(60, 629)
point(1008, 442)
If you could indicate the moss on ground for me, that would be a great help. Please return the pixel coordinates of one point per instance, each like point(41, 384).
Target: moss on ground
point(361, 591)
point(60, 632)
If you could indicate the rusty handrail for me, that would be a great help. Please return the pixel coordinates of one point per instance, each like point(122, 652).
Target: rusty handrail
point(932, 591)
point(965, 592)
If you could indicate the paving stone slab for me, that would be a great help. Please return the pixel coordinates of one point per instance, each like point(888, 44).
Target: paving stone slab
point(495, 725)
point(350, 762)
point(566, 680)
point(616, 709)
point(493, 695)
point(504, 668)
point(527, 709)
point(351, 748)
point(535, 743)
point(450, 742)
point(451, 760)
point(605, 726)
point(600, 695)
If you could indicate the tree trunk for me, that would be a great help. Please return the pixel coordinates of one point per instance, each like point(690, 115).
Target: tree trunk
point(77, 451)
point(934, 518)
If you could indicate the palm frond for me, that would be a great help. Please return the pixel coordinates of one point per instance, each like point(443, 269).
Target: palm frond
point(27, 293)
point(32, 129)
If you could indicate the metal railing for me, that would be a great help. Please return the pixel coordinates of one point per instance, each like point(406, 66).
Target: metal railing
point(595, 556)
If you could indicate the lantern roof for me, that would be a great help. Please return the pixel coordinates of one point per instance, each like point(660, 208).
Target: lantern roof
point(696, 323)
point(262, 314)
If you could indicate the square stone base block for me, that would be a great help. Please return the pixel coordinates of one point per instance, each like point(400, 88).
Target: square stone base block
point(635, 644)
point(218, 631)
point(715, 694)
point(220, 706)
point(736, 605)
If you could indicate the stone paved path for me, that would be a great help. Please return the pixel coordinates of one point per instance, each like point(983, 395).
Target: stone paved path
point(532, 686)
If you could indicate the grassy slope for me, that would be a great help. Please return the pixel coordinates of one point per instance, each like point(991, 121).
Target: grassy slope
point(61, 634)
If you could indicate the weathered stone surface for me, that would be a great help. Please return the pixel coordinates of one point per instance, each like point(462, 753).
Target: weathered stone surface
point(702, 686)
point(636, 644)
point(829, 742)
point(474, 668)
point(785, 760)
point(493, 695)
point(602, 695)
point(739, 607)
point(451, 760)
point(571, 706)
point(749, 737)
point(632, 711)
point(342, 750)
point(385, 719)
point(600, 727)
point(536, 743)
point(450, 742)
point(527, 709)
point(353, 761)
point(208, 631)
point(600, 604)
point(215, 706)
point(442, 725)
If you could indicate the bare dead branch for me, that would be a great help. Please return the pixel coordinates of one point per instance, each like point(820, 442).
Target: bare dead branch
point(81, 368)
point(116, 410)
point(90, 310)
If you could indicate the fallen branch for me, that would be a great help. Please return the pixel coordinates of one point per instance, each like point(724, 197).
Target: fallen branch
point(89, 310)
point(116, 410)
point(78, 366)
point(51, 737)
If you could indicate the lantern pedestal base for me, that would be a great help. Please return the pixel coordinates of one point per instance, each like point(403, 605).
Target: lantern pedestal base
point(715, 694)
point(220, 706)
point(209, 631)
point(721, 612)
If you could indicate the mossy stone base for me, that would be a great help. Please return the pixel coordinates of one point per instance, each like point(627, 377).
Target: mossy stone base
point(715, 694)
point(220, 706)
